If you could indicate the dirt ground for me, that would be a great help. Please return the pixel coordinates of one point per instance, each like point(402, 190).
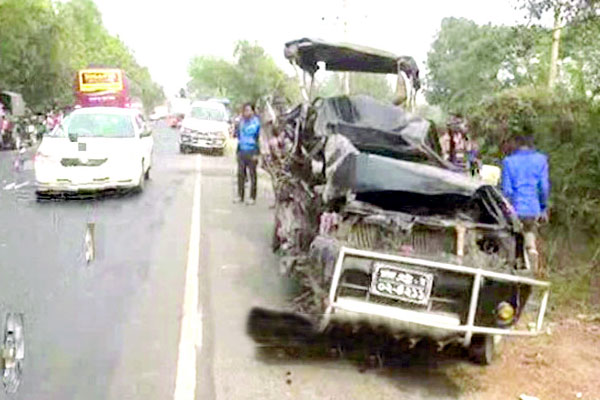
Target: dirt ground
point(562, 365)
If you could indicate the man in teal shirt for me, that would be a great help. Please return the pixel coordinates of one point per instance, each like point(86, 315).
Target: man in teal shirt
point(247, 133)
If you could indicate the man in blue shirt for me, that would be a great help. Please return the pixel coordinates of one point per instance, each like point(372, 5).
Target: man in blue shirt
point(247, 132)
point(526, 184)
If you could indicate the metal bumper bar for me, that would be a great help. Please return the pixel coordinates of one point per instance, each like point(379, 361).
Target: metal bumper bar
point(478, 274)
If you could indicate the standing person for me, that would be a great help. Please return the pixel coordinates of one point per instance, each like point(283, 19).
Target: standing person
point(526, 184)
point(247, 132)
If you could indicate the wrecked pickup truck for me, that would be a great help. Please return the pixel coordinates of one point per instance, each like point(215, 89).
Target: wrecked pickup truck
point(381, 231)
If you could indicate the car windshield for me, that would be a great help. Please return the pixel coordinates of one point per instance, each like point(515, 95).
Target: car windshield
point(96, 125)
point(207, 114)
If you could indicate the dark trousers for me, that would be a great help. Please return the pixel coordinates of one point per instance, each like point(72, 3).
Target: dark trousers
point(246, 162)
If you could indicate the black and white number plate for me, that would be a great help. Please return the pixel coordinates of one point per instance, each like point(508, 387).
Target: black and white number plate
point(401, 283)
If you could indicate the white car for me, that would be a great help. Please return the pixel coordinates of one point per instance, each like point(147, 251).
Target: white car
point(205, 126)
point(93, 149)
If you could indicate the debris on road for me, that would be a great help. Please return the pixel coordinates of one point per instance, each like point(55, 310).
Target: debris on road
point(527, 397)
point(90, 244)
point(13, 352)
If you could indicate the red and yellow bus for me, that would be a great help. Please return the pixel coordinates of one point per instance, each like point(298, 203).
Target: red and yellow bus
point(105, 87)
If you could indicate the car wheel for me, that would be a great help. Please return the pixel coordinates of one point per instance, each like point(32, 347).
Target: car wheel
point(482, 349)
point(183, 149)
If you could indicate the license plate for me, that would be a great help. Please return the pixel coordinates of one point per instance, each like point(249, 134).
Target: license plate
point(401, 283)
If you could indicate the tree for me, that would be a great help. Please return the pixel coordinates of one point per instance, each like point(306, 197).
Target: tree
point(211, 76)
point(253, 76)
point(43, 43)
point(374, 85)
point(468, 61)
point(573, 11)
point(29, 49)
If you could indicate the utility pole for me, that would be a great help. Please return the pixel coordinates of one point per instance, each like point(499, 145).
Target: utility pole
point(555, 48)
point(346, 75)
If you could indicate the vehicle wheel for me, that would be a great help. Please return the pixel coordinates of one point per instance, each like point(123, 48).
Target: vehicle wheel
point(482, 349)
point(183, 149)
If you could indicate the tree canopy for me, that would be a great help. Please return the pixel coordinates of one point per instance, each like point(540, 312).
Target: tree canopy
point(374, 85)
point(468, 61)
point(497, 76)
point(43, 43)
point(250, 77)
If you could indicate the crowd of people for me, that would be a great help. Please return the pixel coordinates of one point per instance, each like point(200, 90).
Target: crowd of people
point(41, 122)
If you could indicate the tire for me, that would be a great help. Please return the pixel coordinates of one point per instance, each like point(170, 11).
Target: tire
point(482, 349)
point(183, 149)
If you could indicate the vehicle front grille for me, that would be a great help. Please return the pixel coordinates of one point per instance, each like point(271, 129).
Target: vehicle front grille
point(421, 240)
point(432, 241)
point(450, 292)
point(76, 162)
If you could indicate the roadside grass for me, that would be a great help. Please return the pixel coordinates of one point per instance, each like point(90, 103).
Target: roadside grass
point(572, 265)
point(561, 362)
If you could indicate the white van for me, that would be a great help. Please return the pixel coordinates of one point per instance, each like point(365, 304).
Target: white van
point(205, 127)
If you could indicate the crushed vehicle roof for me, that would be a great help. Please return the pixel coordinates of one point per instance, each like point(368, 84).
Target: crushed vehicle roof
point(375, 127)
point(349, 57)
point(380, 152)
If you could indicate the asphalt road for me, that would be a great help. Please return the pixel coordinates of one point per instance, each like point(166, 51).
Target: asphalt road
point(112, 329)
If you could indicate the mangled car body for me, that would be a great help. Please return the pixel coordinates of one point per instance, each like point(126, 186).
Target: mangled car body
point(381, 230)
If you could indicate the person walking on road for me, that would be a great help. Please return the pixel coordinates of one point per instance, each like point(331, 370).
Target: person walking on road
point(526, 184)
point(247, 133)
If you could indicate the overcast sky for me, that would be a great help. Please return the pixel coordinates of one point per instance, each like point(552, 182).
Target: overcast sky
point(166, 34)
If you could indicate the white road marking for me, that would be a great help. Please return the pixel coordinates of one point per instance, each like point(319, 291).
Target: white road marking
point(20, 185)
point(10, 186)
point(90, 252)
point(191, 323)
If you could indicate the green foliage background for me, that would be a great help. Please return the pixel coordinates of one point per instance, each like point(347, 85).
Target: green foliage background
point(497, 76)
point(43, 43)
point(252, 76)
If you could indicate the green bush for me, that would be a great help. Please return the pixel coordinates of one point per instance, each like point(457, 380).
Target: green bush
point(568, 131)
